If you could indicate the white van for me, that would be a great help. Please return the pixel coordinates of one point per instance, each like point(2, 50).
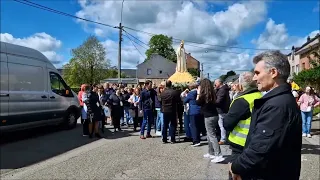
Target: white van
point(32, 92)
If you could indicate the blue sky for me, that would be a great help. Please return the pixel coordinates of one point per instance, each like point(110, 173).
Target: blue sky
point(299, 19)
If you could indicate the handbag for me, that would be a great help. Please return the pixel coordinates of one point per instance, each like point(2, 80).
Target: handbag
point(106, 111)
point(140, 112)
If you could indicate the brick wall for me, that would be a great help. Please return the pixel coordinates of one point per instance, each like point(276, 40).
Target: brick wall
point(192, 63)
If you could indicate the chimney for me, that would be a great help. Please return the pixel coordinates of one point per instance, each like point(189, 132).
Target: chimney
point(308, 39)
point(292, 53)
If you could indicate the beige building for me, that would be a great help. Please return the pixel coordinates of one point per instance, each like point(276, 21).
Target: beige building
point(299, 59)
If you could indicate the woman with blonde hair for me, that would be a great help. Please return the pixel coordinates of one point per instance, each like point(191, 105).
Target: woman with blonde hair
point(134, 107)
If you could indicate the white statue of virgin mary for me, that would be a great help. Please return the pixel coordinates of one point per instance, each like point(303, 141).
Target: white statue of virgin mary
point(181, 59)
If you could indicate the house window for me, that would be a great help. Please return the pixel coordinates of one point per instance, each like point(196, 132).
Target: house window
point(297, 68)
point(148, 71)
point(292, 69)
point(160, 72)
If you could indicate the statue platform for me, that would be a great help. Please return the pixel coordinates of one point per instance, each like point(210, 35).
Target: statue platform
point(184, 77)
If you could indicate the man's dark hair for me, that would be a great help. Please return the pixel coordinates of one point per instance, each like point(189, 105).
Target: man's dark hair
point(168, 84)
point(147, 82)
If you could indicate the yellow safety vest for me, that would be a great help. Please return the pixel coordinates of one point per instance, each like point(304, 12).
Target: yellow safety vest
point(240, 132)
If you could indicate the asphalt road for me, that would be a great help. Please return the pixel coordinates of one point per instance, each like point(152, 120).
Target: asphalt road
point(52, 153)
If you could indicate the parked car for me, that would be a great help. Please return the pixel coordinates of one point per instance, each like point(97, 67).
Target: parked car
point(32, 92)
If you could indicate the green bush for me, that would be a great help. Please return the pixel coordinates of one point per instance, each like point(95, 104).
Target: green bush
point(316, 111)
point(75, 89)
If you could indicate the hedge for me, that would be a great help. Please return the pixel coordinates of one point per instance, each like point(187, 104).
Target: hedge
point(75, 89)
point(316, 111)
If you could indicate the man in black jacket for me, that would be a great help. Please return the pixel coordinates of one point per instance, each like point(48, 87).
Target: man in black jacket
point(273, 146)
point(169, 99)
point(147, 100)
point(223, 103)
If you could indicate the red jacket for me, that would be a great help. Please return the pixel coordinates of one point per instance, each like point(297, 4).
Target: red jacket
point(80, 94)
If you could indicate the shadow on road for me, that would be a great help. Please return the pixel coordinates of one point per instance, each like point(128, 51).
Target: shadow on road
point(25, 148)
point(310, 149)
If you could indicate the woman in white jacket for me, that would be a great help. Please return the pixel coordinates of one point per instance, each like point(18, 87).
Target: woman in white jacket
point(134, 107)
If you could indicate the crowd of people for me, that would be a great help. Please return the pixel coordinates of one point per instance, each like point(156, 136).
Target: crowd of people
point(258, 115)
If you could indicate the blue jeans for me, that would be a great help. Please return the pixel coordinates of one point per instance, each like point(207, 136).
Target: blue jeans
point(147, 120)
point(159, 120)
point(186, 121)
point(306, 121)
point(127, 114)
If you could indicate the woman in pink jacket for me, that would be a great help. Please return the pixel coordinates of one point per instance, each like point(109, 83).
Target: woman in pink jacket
point(307, 102)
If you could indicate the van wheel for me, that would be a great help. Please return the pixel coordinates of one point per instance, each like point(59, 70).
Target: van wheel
point(71, 120)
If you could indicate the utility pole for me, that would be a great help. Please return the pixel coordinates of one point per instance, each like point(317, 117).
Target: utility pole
point(208, 76)
point(119, 52)
point(137, 73)
point(201, 75)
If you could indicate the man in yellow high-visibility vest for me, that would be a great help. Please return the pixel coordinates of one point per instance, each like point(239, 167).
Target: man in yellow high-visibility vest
point(294, 86)
point(237, 121)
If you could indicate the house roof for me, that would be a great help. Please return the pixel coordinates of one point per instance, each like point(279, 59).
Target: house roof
point(303, 48)
point(231, 78)
point(191, 57)
point(156, 67)
point(123, 80)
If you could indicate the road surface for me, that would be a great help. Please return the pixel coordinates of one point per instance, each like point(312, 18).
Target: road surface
point(59, 154)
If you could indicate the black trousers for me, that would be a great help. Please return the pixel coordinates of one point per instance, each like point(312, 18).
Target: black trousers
point(180, 114)
point(85, 127)
point(136, 120)
point(169, 117)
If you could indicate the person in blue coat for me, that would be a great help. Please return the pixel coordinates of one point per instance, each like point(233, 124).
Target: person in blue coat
point(194, 114)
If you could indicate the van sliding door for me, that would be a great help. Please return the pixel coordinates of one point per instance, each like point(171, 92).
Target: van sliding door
point(28, 101)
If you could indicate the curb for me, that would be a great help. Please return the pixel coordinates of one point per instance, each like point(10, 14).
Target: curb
point(315, 140)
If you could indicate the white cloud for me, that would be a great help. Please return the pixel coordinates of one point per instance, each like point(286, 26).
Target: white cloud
point(130, 56)
point(185, 20)
point(42, 42)
point(98, 32)
point(276, 36)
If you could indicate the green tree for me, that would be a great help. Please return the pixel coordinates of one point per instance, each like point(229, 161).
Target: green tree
point(225, 76)
point(162, 45)
point(230, 73)
point(113, 73)
point(194, 72)
point(88, 64)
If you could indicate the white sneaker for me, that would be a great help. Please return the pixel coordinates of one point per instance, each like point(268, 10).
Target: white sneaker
point(218, 159)
point(209, 156)
point(196, 145)
point(309, 135)
point(304, 135)
point(158, 133)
